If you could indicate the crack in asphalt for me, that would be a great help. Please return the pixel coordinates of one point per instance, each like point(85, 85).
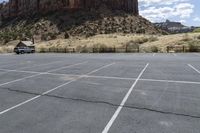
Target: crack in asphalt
point(103, 102)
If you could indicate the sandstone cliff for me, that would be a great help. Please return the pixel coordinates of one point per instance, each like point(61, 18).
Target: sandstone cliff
point(81, 23)
point(25, 7)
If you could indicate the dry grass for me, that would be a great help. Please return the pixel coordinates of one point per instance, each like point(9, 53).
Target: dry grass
point(111, 40)
point(171, 40)
point(147, 43)
point(6, 49)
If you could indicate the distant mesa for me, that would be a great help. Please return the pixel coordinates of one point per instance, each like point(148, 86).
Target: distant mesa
point(174, 27)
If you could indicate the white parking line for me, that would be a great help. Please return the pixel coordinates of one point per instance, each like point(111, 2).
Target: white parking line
point(44, 93)
point(106, 77)
point(195, 69)
point(100, 68)
point(22, 71)
point(40, 74)
point(171, 81)
point(18, 105)
point(110, 123)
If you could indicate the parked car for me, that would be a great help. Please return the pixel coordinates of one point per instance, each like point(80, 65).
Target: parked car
point(24, 47)
point(22, 50)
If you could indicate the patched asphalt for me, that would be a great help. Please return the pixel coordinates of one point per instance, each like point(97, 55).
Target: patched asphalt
point(92, 93)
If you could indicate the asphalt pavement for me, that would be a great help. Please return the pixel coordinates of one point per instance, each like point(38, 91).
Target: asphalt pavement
point(100, 93)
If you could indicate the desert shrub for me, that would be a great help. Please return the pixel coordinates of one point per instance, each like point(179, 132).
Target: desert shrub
point(52, 36)
point(154, 49)
point(132, 44)
point(28, 34)
point(152, 39)
point(66, 35)
point(140, 30)
point(193, 47)
point(141, 40)
point(48, 36)
point(83, 49)
point(186, 38)
point(197, 30)
point(42, 50)
point(102, 48)
point(198, 37)
point(44, 37)
point(6, 49)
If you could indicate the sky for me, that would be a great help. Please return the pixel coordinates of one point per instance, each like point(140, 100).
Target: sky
point(185, 11)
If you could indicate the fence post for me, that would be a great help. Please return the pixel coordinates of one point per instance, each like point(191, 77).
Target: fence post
point(138, 49)
point(183, 49)
point(167, 49)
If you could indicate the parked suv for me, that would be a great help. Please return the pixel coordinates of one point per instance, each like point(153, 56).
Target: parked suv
point(22, 50)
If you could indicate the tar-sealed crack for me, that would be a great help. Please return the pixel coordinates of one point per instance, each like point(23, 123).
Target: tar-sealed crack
point(104, 102)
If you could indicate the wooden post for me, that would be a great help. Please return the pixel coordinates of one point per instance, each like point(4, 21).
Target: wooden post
point(167, 49)
point(183, 49)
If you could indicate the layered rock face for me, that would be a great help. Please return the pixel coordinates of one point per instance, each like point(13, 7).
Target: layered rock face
point(23, 7)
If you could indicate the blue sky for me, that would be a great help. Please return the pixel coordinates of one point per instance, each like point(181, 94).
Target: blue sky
point(185, 11)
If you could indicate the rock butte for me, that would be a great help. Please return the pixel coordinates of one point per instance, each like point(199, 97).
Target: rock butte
point(24, 7)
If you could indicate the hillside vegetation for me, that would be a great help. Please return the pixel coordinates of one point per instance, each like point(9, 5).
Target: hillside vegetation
point(85, 30)
point(147, 43)
point(62, 25)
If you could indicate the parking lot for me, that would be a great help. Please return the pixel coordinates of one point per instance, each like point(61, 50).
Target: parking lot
point(100, 93)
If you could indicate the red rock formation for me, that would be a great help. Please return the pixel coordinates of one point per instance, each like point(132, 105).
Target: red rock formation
point(23, 7)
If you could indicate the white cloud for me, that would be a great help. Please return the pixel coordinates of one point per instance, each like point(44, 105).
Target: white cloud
point(159, 2)
point(184, 10)
point(197, 19)
point(164, 11)
point(182, 21)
